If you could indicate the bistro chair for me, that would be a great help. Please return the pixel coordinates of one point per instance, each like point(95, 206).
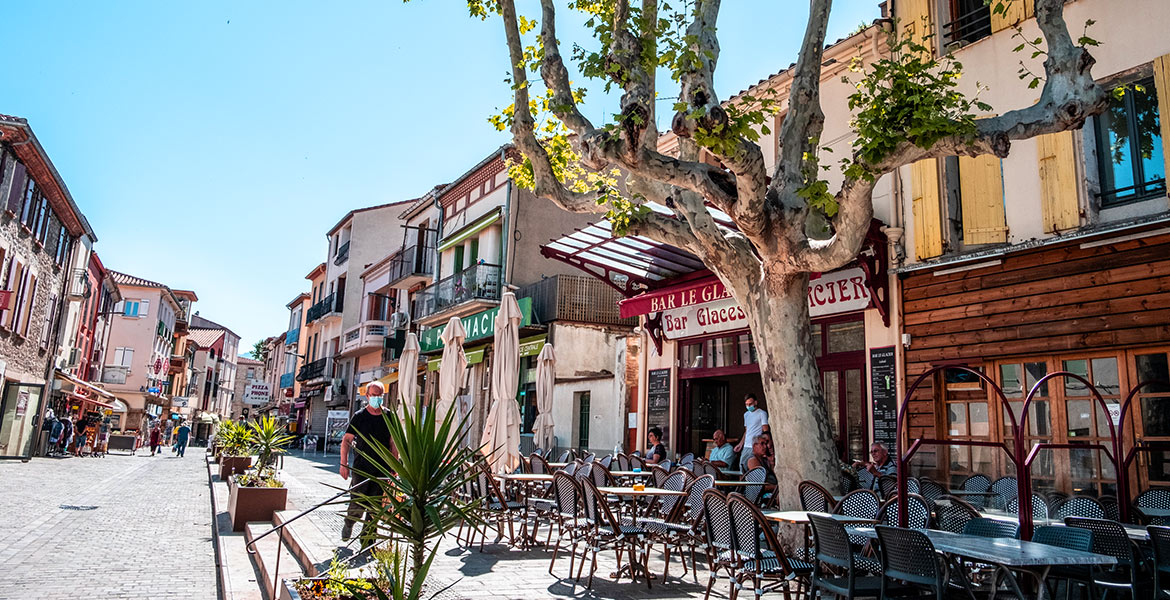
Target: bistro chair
point(865, 480)
point(1006, 489)
point(665, 505)
point(1160, 541)
point(848, 482)
point(976, 483)
point(1153, 498)
point(760, 556)
point(1072, 538)
point(912, 485)
point(566, 456)
point(908, 556)
point(538, 465)
point(706, 468)
point(930, 489)
point(569, 469)
point(1039, 508)
point(566, 514)
point(500, 506)
point(623, 461)
point(606, 461)
point(717, 525)
point(682, 528)
point(831, 548)
point(917, 512)
point(862, 504)
point(1111, 539)
point(606, 531)
point(1054, 496)
point(1109, 504)
point(590, 457)
point(755, 492)
point(637, 462)
point(952, 513)
point(991, 528)
point(887, 486)
point(660, 474)
point(1078, 506)
point(687, 459)
point(666, 464)
point(815, 498)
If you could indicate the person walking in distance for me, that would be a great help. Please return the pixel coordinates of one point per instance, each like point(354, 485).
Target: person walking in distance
point(366, 424)
point(755, 422)
point(155, 438)
point(181, 438)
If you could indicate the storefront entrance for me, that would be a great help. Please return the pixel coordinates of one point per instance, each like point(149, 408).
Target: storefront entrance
point(19, 407)
point(716, 372)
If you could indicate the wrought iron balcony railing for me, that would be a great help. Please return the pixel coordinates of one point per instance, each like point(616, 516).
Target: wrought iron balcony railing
point(477, 282)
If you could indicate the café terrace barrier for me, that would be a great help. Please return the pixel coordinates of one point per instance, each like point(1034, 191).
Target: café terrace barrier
point(1115, 450)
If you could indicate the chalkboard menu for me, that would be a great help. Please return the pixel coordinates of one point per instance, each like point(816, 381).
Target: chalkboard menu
point(883, 380)
point(658, 401)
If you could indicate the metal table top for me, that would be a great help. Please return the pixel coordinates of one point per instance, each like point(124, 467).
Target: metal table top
point(1008, 552)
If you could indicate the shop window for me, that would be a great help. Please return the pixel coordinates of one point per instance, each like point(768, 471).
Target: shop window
point(1154, 407)
point(848, 336)
point(716, 353)
point(583, 416)
point(1017, 380)
point(967, 418)
point(1129, 145)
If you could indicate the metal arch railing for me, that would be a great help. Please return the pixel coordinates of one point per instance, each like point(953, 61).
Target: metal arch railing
point(251, 546)
point(904, 457)
point(1121, 460)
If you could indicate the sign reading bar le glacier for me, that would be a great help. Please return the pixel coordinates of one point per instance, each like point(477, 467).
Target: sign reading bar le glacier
point(829, 294)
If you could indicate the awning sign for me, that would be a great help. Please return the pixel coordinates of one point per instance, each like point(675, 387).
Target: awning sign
point(829, 294)
point(478, 326)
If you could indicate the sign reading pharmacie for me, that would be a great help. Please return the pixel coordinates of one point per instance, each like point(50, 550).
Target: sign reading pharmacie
point(478, 326)
point(830, 294)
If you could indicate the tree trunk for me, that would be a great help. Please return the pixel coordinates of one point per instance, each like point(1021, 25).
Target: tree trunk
point(777, 311)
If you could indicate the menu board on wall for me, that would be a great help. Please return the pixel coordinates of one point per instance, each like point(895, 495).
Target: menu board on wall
point(658, 401)
point(883, 381)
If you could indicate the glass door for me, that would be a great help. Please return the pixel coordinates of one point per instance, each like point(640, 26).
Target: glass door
point(19, 408)
point(1151, 410)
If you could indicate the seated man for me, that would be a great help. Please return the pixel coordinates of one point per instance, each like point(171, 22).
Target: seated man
point(882, 463)
point(722, 454)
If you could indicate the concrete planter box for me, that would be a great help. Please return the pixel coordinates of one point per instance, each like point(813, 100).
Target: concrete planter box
point(231, 465)
point(254, 503)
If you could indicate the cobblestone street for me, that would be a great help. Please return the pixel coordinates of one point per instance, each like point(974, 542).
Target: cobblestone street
point(115, 527)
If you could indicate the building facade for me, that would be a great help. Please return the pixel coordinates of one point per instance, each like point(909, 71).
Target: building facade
point(44, 237)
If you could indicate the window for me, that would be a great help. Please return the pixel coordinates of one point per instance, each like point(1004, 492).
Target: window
point(130, 308)
point(728, 351)
point(30, 198)
point(143, 308)
point(583, 420)
point(49, 322)
point(970, 21)
point(251, 374)
point(123, 357)
point(1129, 145)
point(42, 223)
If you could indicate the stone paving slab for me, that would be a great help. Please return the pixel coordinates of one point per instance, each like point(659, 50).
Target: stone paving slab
point(116, 527)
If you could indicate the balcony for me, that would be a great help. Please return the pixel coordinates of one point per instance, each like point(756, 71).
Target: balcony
point(575, 298)
point(318, 369)
point(322, 308)
point(474, 287)
point(293, 336)
point(367, 335)
point(178, 364)
point(78, 286)
point(412, 265)
point(287, 380)
point(342, 254)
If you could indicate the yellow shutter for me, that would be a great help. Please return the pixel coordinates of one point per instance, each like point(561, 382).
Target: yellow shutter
point(1017, 12)
point(981, 193)
point(927, 220)
point(1059, 207)
point(1162, 88)
point(914, 21)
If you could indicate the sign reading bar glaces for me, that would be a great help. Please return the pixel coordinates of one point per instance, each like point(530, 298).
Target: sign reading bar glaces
point(257, 393)
point(829, 294)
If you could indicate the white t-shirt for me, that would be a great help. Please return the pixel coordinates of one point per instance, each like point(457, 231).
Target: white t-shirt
point(753, 425)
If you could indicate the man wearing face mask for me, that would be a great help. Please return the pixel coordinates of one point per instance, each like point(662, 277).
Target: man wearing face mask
point(755, 422)
point(366, 424)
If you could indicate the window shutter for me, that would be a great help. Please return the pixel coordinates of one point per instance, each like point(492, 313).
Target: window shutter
point(1017, 12)
point(1059, 206)
point(1162, 88)
point(144, 308)
point(29, 304)
point(16, 190)
point(915, 20)
point(128, 358)
point(927, 221)
point(981, 194)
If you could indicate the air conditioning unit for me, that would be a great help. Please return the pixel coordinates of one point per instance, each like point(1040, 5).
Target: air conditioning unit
point(399, 320)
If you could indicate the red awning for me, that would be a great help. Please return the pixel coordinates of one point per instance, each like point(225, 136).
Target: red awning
point(81, 398)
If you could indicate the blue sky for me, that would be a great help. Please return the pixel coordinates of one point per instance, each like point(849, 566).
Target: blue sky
point(212, 144)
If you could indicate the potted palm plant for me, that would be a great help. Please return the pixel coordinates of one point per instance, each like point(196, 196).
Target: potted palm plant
point(235, 444)
point(257, 493)
point(416, 505)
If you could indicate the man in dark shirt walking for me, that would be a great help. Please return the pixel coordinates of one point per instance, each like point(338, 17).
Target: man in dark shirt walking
point(369, 424)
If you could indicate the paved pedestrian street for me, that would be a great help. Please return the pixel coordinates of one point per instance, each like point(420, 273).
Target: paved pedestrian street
point(115, 527)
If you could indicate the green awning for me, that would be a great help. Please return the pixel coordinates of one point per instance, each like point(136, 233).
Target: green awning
point(473, 357)
point(471, 230)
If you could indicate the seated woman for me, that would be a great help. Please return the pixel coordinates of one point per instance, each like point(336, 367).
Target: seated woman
point(655, 452)
point(761, 457)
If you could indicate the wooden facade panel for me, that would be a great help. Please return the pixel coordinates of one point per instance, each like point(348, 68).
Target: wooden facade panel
point(1128, 290)
point(1052, 344)
point(1068, 283)
point(1014, 335)
point(1038, 257)
point(1016, 12)
point(978, 280)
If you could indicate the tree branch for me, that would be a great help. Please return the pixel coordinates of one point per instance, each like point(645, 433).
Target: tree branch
point(556, 76)
point(805, 119)
point(1069, 97)
point(545, 182)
